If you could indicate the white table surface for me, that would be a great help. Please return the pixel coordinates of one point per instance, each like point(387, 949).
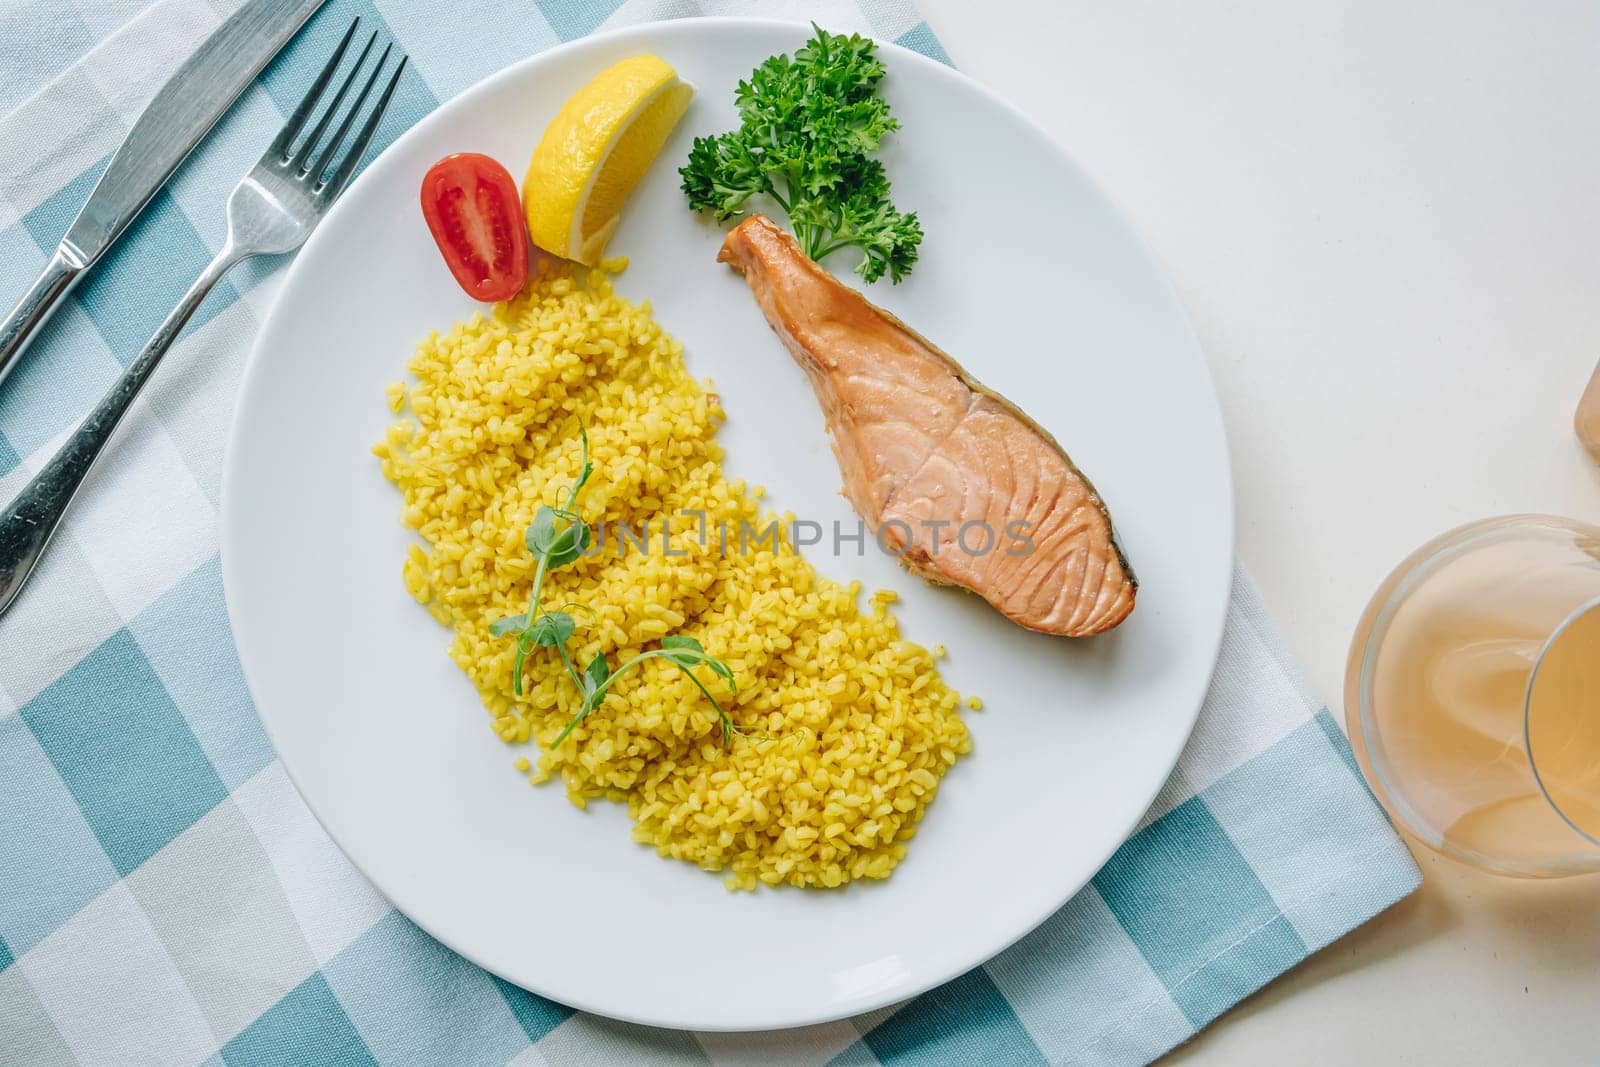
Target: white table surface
point(1385, 222)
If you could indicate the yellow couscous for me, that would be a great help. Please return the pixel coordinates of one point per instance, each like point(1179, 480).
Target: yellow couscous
point(846, 729)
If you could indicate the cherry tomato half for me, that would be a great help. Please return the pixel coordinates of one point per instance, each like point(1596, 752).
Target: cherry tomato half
point(475, 215)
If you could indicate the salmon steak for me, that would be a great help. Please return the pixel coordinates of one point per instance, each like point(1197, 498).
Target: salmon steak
point(950, 475)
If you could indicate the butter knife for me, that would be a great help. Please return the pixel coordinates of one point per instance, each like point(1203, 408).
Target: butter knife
point(181, 114)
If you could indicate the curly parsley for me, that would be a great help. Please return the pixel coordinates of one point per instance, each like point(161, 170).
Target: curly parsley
point(808, 127)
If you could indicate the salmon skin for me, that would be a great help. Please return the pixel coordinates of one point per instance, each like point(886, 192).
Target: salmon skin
point(938, 465)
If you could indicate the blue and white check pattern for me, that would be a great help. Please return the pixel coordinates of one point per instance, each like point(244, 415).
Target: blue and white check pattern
point(165, 896)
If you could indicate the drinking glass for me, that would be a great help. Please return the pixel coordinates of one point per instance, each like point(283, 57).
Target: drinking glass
point(1587, 422)
point(1473, 695)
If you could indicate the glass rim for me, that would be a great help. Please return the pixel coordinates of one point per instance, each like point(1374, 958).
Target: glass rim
point(1412, 571)
point(1527, 712)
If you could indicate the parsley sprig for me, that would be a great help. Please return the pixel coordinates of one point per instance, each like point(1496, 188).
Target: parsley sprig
point(557, 537)
point(807, 129)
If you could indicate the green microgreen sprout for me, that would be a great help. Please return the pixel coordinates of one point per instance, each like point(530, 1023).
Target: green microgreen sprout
point(557, 537)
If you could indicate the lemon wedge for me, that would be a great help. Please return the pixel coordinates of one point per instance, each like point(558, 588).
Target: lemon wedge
point(595, 150)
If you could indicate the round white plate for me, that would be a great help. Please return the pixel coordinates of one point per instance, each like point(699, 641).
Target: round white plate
point(1028, 275)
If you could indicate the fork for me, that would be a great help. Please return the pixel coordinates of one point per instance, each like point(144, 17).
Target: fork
point(272, 210)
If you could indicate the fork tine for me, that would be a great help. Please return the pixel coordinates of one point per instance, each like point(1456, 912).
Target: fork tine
point(350, 118)
point(300, 157)
point(279, 150)
point(335, 184)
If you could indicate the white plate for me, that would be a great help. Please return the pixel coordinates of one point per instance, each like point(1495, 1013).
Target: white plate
point(1028, 275)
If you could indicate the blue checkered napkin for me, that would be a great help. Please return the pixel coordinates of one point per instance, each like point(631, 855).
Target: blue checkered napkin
point(165, 897)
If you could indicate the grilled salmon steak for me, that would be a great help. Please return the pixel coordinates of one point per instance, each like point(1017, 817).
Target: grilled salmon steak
point(965, 487)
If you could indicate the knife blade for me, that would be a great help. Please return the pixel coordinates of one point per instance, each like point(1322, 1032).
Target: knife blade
point(176, 120)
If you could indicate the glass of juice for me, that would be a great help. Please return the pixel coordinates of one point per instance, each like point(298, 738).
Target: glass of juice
point(1587, 421)
point(1473, 695)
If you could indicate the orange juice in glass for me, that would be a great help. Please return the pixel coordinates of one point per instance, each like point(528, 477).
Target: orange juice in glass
point(1472, 695)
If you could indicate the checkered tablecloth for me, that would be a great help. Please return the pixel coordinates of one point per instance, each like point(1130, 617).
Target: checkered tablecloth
point(165, 896)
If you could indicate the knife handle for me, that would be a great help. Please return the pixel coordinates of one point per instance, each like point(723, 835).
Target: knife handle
point(29, 521)
point(37, 303)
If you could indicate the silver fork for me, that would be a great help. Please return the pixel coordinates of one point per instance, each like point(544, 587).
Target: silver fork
point(272, 210)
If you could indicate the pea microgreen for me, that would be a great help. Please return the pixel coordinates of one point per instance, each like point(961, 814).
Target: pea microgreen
point(558, 537)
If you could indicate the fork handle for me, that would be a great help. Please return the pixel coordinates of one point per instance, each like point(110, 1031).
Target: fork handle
point(53, 283)
point(28, 523)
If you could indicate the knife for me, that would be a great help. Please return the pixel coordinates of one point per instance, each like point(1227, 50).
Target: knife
point(177, 119)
